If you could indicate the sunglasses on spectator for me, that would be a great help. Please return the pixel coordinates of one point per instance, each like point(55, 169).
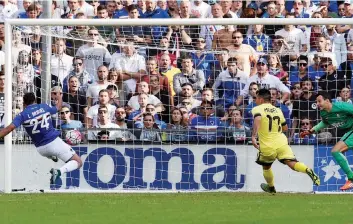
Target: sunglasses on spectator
point(55, 93)
point(149, 109)
point(303, 64)
point(305, 123)
point(324, 66)
point(65, 112)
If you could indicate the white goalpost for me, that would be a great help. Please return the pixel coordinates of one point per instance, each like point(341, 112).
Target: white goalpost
point(160, 167)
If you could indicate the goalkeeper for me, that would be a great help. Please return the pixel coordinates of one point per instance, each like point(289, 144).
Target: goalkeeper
point(337, 115)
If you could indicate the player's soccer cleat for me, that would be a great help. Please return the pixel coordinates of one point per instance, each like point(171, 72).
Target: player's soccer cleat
point(315, 178)
point(268, 189)
point(348, 185)
point(55, 174)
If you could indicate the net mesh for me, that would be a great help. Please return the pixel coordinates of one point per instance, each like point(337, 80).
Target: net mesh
point(159, 83)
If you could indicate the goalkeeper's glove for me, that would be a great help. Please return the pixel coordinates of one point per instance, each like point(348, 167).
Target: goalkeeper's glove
point(305, 133)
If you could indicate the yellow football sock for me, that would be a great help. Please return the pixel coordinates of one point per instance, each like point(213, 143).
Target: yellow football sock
point(268, 175)
point(300, 167)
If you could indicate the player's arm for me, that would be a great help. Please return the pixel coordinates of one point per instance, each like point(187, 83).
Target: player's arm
point(284, 128)
point(256, 127)
point(283, 122)
point(5, 131)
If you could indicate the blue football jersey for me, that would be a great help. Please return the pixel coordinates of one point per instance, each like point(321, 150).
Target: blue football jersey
point(36, 119)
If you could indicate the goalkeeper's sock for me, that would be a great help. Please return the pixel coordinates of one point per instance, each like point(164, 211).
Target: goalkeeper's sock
point(69, 166)
point(342, 161)
point(300, 167)
point(268, 175)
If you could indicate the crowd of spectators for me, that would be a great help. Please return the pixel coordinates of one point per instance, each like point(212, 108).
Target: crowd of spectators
point(182, 83)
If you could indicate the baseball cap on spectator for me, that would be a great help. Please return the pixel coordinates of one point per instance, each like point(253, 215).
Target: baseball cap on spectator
point(348, 2)
point(262, 60)
point(112, 86)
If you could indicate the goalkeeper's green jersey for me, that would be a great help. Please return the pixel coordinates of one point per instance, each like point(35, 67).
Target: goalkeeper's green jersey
point(340, 116)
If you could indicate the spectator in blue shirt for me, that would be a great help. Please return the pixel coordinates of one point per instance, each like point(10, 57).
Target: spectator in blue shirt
point(345, 96)
point(229, 83)
point(202, 61)
point(301, 72)
point(152, 12)
point(258, 40)
point(66, 122)
point(299, 11)
point(206, 127)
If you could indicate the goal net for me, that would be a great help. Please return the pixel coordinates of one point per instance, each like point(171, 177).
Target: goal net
point(178, 96)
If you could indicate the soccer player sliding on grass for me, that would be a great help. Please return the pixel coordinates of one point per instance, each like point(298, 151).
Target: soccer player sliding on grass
point(36, 119)
point(338, 115)
point(269, 124)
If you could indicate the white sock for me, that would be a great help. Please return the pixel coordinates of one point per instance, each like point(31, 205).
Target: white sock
point(69, 166)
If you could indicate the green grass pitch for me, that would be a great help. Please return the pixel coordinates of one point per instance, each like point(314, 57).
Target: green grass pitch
point(175, 208)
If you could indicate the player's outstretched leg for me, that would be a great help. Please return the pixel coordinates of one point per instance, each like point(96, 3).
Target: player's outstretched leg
point(74, 163)
point(336, 152)
point(301, 167)
point(268, 175)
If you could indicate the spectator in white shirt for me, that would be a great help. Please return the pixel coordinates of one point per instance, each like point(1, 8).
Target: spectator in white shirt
point(101, 83)
point(294, 37)
point(264, 81)
point(7, 10)
point(226, 6)
point(86, 8)
point(144, 88)
point(17, 45)
point(91, 119)
point(339, 47)
point(104, 122)
point(61, 63)
point(93, 53)
point(130, 65)
point(200, 9)
point(321, 51)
